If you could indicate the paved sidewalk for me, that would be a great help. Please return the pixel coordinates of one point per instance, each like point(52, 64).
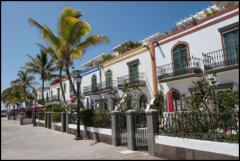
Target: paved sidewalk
point(28, 142)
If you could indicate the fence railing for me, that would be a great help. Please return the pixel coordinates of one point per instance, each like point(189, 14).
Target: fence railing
point(214, 127)
point(40, 115)
point(100, 87)
point(56, 117)
point(172, 70)
point(136, 79)
point(72, 118)
point(102, 121)
point(221, 58)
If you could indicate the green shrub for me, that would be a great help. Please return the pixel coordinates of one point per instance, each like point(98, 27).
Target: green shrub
point(55, 108)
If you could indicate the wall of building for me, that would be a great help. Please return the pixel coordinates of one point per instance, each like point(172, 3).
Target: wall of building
point(205, 40)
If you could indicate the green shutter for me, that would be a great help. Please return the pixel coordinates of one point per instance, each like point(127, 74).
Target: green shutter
point(94, 82)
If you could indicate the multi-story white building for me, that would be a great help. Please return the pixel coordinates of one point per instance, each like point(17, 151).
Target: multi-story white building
point(166, 62)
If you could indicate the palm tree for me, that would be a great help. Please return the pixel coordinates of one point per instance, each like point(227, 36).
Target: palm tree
point(43, 66)
point(69, 42)
point(25, 81)
point(59, 61)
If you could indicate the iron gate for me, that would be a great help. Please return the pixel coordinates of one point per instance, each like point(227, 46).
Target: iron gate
point(123, 129)
point(141, 131)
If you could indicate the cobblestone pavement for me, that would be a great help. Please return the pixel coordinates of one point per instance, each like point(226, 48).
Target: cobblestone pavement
point(28, 142)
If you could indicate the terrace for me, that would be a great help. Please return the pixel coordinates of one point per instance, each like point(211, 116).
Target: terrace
point(221, 60)
point(99, 88)
point(137, 79)
point(170, 72)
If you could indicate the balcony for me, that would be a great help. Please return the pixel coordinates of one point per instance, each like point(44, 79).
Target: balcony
point(221, 60)
point(138, 79)
point(100, 88)
point(53, 99)
point(168, 73)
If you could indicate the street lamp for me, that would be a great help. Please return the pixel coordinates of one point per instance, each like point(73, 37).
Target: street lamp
point(78, 78)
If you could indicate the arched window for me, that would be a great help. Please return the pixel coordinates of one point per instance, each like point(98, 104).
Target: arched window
point(173, 101)
point(109, 79)
point(180, 59)
point(94, 82)
point(143, 101)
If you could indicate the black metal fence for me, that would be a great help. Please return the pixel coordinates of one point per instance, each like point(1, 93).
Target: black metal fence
point(56, 117)
point(100, 87)
point(220, 58)
point(214, 127)
point(72, 118)
point(137, 79)
point(40, 115)
point(102, 121)
point(172, 70)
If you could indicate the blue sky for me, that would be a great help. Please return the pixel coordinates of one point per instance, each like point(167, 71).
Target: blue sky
point(119, 21)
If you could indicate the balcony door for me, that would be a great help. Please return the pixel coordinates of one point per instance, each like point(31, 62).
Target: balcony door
point(231, 47)
point(58, 93)
point(94, 82)
point(133, 73)
point(109, 79)
point(180, 59)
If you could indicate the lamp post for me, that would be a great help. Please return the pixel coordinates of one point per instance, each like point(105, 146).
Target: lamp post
point(35, 114)
point(78, 77)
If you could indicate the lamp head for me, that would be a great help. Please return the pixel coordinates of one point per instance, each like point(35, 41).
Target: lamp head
point(78, 76)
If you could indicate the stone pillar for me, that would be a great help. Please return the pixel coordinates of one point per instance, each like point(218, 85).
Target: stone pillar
point(46, 120)
point(131, 128)
point(152, 129)
point(115, 128)
point(21, 120)
point(50, 120)
point(33, 117)
point(63, 121)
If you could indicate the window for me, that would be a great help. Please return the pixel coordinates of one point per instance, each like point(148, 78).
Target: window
point(231, 46)
point(143, 101)
point(94, 82)
point(109, 79)
point(47, 96)
point(180, 59)
point(133, 73)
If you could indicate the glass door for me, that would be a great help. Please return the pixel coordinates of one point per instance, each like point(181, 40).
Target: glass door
point(133, 73)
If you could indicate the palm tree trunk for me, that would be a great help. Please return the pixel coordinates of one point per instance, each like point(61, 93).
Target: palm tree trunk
point(43, 92)
point(61, 86)
point(24, 95)
point(71, 84)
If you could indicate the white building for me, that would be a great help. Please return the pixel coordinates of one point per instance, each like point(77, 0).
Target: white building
point(168, 63)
